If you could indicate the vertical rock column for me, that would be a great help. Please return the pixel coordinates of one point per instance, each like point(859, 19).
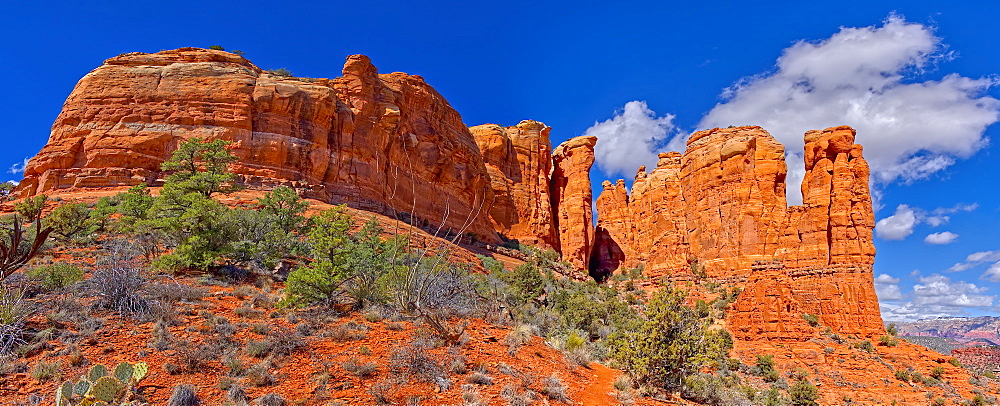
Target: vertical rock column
point(519, 162)
point(572, 199)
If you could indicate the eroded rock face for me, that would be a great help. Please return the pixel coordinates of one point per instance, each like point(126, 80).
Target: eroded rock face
point(723, 204)
point(573, 198)
point(387, 143)
point(519, 162)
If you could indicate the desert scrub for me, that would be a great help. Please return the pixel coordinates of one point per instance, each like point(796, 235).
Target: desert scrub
point(56, 276)
point(359, 368)
point(44, 371)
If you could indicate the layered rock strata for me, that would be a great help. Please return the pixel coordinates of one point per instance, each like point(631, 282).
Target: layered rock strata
point(381, 142)
point(542, 196)
point(722, 204)
point(519, 161)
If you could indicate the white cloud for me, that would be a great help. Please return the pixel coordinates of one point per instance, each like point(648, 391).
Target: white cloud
point(901, 224)
point(897, 226)
point(937, 295)
point(887, 288)
point(861, 77)
point(18, 167)
point(940, 216)
point(944, 237)
point(631, 138)
point(974, 259)
point(993, 273)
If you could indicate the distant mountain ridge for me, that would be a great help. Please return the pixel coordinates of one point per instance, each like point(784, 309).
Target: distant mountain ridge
point(968, 331)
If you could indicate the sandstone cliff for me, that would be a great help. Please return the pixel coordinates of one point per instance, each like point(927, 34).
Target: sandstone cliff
point(519, 162)
point(722, 204)
point(542, 197)
point(385, 142)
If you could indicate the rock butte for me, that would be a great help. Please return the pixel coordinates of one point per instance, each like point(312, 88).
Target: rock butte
point(721, 205)
point(387, 143)
point(390, 143)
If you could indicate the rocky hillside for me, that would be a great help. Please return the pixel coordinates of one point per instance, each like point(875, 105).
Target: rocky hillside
point(713, 219)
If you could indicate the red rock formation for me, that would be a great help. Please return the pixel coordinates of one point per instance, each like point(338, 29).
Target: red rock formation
point(723, 202)
point(519, 162)
point(387, 143)
point(573, 199)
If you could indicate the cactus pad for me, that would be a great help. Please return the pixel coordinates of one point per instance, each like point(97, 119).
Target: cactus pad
point(97, 372)
point(139, 371)
point(105, 389)
point(82, 387)
point(123, 372)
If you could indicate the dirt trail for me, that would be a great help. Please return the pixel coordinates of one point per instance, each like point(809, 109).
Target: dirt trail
point(598, 392)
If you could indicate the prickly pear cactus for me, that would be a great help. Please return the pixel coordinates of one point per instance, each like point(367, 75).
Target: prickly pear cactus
point(105, 389)
point(123, 372)
point(139, 371)
point(97, 372)
point(82, 387)
point(97, 388)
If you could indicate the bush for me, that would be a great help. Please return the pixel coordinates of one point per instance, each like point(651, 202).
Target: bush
point(321, 280)
point(56, 276)
point(937, 372)
point(14, 312)
point(71, 220)
point(892, 330)
point(217, 47)
point(44, 371)
point(903, 375)
point(670, 344)
point(555, 389)
point(414, 360)
point(31, 208)
point(888, 341)
point(812, 319)
point(803, 393)
point(865, 346)
point(183, 395)
point(280, 72)
point(271, 399)
point(119, 281)
point(358, 368)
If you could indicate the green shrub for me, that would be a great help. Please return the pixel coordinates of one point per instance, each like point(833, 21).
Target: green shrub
point(803, 393)
point(865, 346)
point(765, 368)
point(44, 371)
point(280, 72)
point(888, 341)
point(903, 375)
point(71, 220)
point(216, 47)
point(892, 330)
point(937, 372)
point(56, 276)
point(812, 319)
point(31, 208)
point(671, 343)
point(321, 280)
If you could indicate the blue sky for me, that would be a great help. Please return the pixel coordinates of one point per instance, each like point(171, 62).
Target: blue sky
point(919, 76)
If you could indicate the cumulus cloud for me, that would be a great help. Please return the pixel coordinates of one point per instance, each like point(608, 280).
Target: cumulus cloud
point(993, 273)
point(901, 224)
point(897, 226)
point(863, 77)
point(631, 138)
point(18, 167)
point(937, 295)
point(944, 237)
point(974, 259)
point(887, 288)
